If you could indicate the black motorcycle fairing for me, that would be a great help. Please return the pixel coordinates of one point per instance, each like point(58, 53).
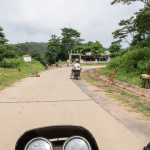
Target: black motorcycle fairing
point(52, 132)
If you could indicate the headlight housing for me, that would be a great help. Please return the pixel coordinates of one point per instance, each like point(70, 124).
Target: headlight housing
point(39, 144)
point(76, 143)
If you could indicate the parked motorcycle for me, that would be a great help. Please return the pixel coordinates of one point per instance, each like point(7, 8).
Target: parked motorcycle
point(57, 138)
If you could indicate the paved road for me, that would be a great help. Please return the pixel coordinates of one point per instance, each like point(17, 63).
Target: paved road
point(55, 99)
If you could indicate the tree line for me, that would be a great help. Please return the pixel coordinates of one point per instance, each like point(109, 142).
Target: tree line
point(57, 48)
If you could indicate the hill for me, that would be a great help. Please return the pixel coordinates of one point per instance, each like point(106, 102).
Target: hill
point(29, 46)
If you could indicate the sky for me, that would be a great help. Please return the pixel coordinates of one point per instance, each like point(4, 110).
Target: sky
point(36, 20)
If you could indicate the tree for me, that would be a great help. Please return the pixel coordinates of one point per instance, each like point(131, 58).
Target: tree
point(70, 39)
point(115, 49)
point(84, 48)
point(8, 51)
point(146, 2)
point(138, 27)
point(35, 54)
point(128, 27)
point(142, 23)
point(2, 36)
point(22, 49)
point(97, 49)
point(53, 49)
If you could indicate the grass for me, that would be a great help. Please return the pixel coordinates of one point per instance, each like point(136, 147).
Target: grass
point(108, 90)
point(10, 75)
point(143, 107)
point(134, 102)
point(119, 97)
point(131, 78)
point(62, 63)
point(124, 93)
point(93, 64)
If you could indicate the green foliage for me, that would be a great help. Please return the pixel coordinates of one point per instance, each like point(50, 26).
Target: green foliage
point(128, 27)
point(9, 62)
point(146, 2)
point(84, 48)
point(115, 63)
point(143, 17)
point(36, 50)
point(138, 28)
point(7, 51)
point(140, 43)
point(70, 39)
point(22, 49)
point(2, 36)
point(97, 49)
point(115, 50)
point(35, 55)
point(53, 49)
point(19, 62)
point(142, 23)
point(133, 61)
point(27, 47)
point(144, 66)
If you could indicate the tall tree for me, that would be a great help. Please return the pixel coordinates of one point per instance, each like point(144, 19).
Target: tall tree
point(53, 49)
point(122, 34)
point(138, 27)
point(84, 47)
point(70, 39)
point(142, 21)
point(97, 49)
point(6, 50)
point(3, 40)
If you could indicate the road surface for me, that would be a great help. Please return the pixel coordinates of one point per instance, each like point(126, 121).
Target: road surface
point(54, 99)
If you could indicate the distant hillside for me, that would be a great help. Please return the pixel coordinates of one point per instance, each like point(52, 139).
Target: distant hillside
point(29, 46)
point(34, 45)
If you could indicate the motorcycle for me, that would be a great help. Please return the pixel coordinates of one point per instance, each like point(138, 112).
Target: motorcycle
point(57, 138)
point(76, 73)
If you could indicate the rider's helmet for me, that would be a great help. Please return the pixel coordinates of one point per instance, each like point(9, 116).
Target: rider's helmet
point(77, 60)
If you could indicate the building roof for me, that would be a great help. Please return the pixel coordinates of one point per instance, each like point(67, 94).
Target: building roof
point(106, 53)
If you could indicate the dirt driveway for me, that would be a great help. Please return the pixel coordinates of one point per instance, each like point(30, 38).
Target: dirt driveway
point(55, 99)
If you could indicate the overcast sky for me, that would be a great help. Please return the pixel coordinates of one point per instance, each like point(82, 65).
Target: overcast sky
point(37, 20)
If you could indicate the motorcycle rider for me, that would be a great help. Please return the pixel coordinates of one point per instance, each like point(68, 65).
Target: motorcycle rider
point(73, 66)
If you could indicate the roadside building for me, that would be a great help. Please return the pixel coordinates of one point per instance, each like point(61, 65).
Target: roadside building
point(89, 58)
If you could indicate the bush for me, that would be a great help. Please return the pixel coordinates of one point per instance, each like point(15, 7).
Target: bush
point(114, 63)
point(144, 66)
point(136, 60)
point(12, 63)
